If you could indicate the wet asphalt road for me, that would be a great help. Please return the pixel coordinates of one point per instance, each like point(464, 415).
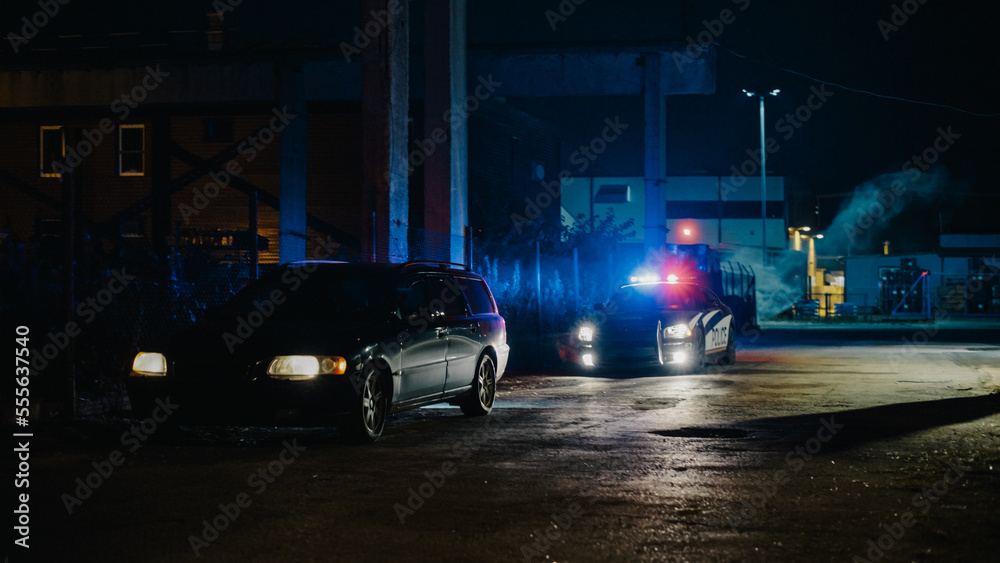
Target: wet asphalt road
point(811, 448)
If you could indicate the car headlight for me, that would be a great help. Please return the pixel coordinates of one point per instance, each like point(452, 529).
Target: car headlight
point(677, 331)
point(149, 363)
point(585, 334)
point(305, 367)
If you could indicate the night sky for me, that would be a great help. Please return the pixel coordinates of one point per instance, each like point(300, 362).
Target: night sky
point(944, 53)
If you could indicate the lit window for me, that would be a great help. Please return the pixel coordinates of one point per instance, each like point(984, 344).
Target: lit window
point(52, 149)
point(131, 150)
point(613, 193)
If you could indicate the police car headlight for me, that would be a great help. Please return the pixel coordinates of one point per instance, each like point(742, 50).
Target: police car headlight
point(585, 334)
point(678, 331)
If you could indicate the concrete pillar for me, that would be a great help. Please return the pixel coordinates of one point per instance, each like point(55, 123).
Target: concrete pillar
point(446, 206)
point(292, 175)
point(385, 115)
point(654, 233)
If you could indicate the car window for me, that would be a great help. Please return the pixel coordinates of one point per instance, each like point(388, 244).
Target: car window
point(478, 296)
point(711, 298)
point(412, 299)
point(444, 298)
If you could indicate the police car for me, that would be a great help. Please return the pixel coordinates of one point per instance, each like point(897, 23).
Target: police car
point(652, 322)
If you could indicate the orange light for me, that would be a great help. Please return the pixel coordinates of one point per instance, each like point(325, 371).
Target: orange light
point(334, 365)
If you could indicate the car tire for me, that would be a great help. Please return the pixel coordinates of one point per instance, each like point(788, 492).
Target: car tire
point(369, 409)
point(479, 401)
point(730, 357)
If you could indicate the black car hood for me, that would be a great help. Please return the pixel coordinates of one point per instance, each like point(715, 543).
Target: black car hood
point(232, 341)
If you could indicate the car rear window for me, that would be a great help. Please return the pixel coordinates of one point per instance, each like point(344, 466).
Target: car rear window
point(478, 296)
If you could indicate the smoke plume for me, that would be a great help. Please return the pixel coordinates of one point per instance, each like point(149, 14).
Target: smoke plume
point(867, 214)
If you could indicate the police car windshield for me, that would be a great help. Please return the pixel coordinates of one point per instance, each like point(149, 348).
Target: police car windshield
point(656, 297)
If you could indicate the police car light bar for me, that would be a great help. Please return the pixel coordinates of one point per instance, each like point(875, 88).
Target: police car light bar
point(644, 278)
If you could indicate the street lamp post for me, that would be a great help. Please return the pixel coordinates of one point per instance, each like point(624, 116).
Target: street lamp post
point(763, 174)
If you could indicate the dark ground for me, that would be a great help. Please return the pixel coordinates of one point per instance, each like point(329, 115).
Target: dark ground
point(609, 467)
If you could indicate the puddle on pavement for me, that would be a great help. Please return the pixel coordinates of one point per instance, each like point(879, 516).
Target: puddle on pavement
point(656, 403)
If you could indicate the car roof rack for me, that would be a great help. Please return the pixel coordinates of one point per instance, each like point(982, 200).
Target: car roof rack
point(436, 264)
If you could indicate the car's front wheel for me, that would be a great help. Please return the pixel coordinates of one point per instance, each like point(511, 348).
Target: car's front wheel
point(479, 401)
point(370, 409)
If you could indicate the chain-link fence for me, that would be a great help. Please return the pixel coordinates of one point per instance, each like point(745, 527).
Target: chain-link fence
point(127, 298)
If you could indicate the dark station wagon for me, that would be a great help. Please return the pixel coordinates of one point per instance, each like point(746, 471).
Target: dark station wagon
point(349, 342)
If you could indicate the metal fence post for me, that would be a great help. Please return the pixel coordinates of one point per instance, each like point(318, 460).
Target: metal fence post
point(252, 231)
point(69, 280)
point(538, 293)
point(576, 279)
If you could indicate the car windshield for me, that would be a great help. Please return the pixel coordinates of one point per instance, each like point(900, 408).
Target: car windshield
point(656, 297)
point(302, 293)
